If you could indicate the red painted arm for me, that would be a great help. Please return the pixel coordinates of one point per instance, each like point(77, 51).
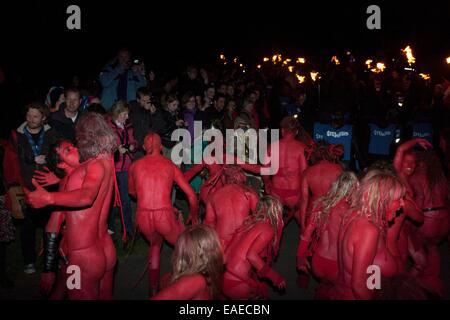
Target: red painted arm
point(183, 183)
point(54, 223)
point(83, 197)
point(192, 172)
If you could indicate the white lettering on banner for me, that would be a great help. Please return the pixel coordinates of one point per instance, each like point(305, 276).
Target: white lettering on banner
point(382, 133)
point(337, 134)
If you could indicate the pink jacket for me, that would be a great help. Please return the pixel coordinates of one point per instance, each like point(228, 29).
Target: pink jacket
point(125, 137)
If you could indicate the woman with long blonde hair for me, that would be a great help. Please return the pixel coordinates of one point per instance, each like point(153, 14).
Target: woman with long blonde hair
point(320, 238)
point(362, 236)
point(249, 255)
point(197, 266)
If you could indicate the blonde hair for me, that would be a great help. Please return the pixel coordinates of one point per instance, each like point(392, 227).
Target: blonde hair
point(119, 107)
point(198, 251)
point(377, 190)
point(345, 185)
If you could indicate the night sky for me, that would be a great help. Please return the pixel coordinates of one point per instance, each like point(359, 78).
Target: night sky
point(37, 44)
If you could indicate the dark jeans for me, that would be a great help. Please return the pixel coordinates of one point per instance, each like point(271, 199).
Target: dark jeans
point(34, 218)
point(122, 181)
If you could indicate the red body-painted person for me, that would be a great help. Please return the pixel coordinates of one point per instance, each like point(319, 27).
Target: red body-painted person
point(403, 237)
point(285, 184)
point(249, 255)
point(150, 181)
point(362, 237)
point(317, 179)
point(88, 191)
point(432, 196)
point(320, 238)
point(197, 266)
point(230, 205)
point(215, 165)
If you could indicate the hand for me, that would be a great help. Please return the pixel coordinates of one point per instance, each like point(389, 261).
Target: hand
point(122, 150)
point(139, 69)
point(40, 159)
point(152, 108)
point(179, 123)
point(45, 178)
point(39, 198)
point(47, 282)
point(424, 144)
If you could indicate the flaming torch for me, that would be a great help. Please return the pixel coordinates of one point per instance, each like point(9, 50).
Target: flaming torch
point(409, 55)
point(300, 78)
point(265, 59)
point(314, 75)
point(448, 60)
point(425, 76)
point(335, 60)
point(301, 60)
point(222, 57)
point(291, 69)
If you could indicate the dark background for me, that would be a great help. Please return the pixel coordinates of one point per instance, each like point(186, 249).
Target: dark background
point(38, 49)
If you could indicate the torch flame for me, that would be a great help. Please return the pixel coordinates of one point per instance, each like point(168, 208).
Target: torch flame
point(381, 66)
point(258, 66)
point(222, 57)
point(266, 59)
point(335, 60)
point(300, 78)
point(369, 62)
point(448, 60)
point(314, 75)
point(409, 55)
point(301, 60)
point(291, 68)
point(425, 76)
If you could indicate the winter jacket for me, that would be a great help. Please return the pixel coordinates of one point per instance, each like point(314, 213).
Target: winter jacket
point(109, 79)
point(125, 137)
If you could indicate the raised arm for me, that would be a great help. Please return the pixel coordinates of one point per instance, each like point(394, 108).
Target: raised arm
point(404, 147)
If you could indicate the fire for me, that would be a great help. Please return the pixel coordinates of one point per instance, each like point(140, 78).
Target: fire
point(258, 66)
point(285, 62)
point(265, 59)
point(301, 60)
point(241, 65)
point(381, 66)
point(409, 55)
point(369, 62)
point(300, 78)
point(425, 76)
point(222, 57)
point(314, 75)
point(448, 60)
point(335, 60)
point(291, 68)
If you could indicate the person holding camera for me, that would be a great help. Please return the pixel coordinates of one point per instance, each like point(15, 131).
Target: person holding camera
point(121, 78)
point(123, 158)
